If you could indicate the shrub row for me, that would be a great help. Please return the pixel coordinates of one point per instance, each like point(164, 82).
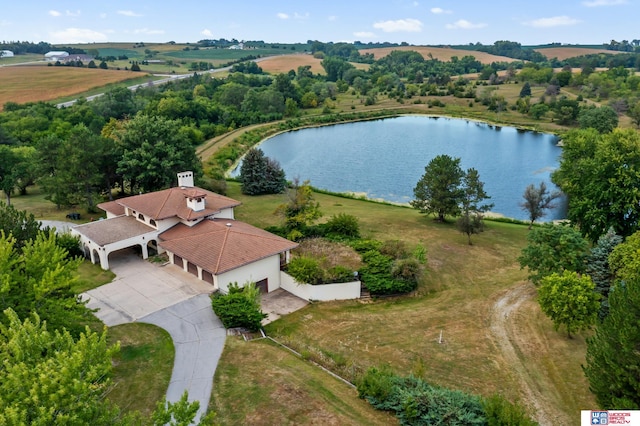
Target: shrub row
point(415, 402)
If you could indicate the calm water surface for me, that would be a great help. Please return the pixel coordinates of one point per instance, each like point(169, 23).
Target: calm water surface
point(384, 159)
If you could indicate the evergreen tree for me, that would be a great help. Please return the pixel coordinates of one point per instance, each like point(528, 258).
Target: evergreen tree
point(526, 90)
point(599, 270)
point(438, 191)
point(613, 363)
point(260, 174)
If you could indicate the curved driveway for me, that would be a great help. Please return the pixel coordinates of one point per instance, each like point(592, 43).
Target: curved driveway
point(174, 300)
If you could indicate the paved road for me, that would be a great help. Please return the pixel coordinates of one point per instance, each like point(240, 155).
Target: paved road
point(178, 302)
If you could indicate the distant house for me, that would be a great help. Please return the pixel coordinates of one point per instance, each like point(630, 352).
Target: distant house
point(239, 46)
point(55, 55)
point(6, 54)
point(196, 228)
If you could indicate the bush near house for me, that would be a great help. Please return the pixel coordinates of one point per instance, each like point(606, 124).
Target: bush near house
point(240, 307)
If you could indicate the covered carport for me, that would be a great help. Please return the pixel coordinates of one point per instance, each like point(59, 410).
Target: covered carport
point(103, 237)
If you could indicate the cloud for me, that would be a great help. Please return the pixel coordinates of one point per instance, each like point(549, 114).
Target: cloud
point(554, 21)
point(416, 4)
point(463, 24)
point(400, 25)
point(129, 13)
point(439, 10)
point(301, 16)
point(76, 35)
point(74, 14)
point(206, 33)
point(364, 34)
point(333, 18)
point(147, 31)
point(282, 15)
point(596, 3)
point(55, 13)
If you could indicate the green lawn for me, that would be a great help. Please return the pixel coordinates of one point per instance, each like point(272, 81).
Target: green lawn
point(142, 369)
point(259, 383)
point(456, 296)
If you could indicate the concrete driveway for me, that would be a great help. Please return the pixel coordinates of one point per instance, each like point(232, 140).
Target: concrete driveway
point(174, 300)
point(141, 288)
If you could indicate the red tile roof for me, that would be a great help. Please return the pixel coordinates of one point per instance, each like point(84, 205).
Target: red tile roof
point(112, 207)
point(108, 231)
point(172, 202)
point(218, 248)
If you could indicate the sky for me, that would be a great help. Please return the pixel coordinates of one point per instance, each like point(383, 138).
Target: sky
point(419, 22)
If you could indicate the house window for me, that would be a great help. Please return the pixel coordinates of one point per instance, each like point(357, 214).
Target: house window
point(141, 217)
point(152, 222)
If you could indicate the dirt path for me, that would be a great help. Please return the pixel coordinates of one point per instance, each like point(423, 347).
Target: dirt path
point(510, 341)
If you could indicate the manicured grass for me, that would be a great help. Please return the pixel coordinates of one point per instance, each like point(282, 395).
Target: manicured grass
point(91, 276)
point(259, 383)
point(457, 296)
point(142, 369)
point(36, 203)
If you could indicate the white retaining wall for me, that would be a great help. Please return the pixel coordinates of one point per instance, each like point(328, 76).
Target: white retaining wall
point(322, 292)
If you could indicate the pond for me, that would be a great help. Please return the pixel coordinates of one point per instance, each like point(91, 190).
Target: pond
point(384, 159)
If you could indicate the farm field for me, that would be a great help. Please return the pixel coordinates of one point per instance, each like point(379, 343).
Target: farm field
point(495, 337)
point(440, 53)
point(284, 63)
point(41, 83)
point(569, 52)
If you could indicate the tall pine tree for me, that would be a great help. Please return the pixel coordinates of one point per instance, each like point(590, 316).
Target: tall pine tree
point(613, 358)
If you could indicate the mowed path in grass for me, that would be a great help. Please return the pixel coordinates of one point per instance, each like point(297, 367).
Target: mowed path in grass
point(521, 357)
point(22, 84)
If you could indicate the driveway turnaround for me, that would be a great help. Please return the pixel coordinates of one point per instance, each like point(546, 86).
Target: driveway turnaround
point(174, 300)
point(141, 288)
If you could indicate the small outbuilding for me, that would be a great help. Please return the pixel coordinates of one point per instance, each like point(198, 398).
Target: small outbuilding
point(55, 55)
point(6, 54)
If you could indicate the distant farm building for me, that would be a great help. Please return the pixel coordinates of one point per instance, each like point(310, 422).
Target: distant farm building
point(55, 55)
point(239, 46)
point(6, 54)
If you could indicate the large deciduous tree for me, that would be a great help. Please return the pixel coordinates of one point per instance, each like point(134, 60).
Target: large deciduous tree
point(604, 119)
point(569, 300)
point(613, 363)
point(260, 174)
point(155, 149)
point(537, 200)
point(553, 248)
point(438, 190)
point(8, 166)
point(471, 207)
point(601, 175)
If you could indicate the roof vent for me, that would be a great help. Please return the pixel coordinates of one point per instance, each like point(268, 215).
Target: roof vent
point(228, 225)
